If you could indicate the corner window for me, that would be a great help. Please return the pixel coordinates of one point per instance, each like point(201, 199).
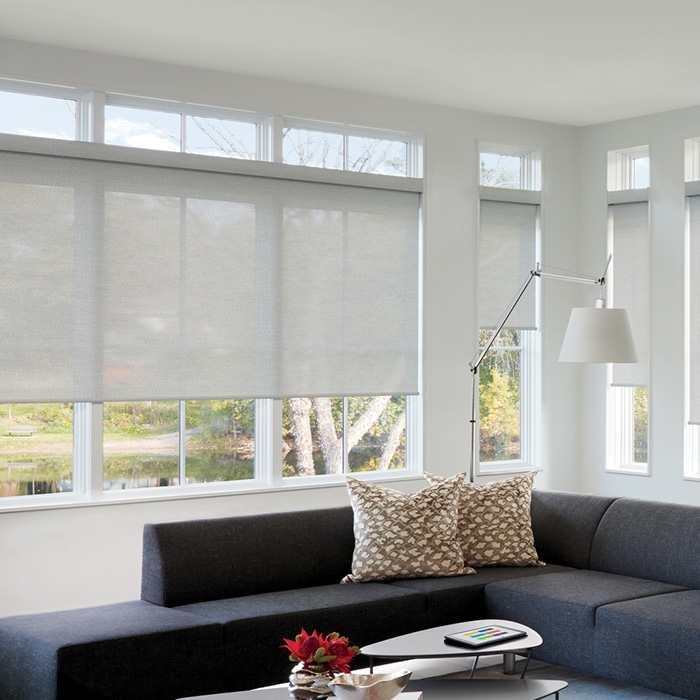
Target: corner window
point(628, 241)
point(509, 384)
point(691, 468)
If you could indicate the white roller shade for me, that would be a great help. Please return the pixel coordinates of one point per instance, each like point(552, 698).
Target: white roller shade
point(507, 254)
point(694, 308)
point(166, 280)
point(630, 284)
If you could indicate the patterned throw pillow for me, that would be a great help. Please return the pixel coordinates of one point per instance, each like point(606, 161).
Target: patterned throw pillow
point(494, 522)
point(399, 535)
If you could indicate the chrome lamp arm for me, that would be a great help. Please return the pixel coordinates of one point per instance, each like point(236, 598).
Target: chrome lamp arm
point(481, 354)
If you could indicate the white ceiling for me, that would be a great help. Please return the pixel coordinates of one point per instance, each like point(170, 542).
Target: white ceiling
point(575, 63)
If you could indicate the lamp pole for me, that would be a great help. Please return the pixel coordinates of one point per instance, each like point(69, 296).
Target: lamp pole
point(481, 354)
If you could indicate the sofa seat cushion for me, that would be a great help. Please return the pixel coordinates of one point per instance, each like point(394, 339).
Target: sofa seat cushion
point(120, 651)
point(562, 608)
point(462, 597)
point(652, 642)
point(363, 612)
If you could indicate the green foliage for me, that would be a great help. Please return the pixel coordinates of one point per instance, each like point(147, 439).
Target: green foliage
point(499, 406)
point(139, 417)
point(641, 416)
point(48, 417)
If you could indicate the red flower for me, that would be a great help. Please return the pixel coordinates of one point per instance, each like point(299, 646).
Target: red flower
point(332, 653)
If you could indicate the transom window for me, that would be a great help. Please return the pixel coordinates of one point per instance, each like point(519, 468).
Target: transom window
point(187, 129)
point(358, 150)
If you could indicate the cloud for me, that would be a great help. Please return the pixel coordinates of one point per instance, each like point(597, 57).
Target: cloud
point(46, 134)
point(123, 132)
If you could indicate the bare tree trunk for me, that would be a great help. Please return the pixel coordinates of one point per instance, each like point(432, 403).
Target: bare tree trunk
point(331, 444)
point(392, 441)
point(303, 442)
point(368, 418)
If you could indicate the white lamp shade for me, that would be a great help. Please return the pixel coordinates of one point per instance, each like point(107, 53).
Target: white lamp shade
point(598, 335)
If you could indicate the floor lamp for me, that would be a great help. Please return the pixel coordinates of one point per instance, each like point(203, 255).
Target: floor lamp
point(593, 334)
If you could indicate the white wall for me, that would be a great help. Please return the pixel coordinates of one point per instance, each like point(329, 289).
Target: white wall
point(665, 134)
point(75, 557)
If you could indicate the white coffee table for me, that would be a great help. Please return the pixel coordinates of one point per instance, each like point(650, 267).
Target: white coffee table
point(430, 644)
point(511, 689)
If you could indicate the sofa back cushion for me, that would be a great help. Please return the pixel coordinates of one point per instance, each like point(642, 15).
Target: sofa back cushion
point(198, 560)
point(564, 525)
point(647, 539)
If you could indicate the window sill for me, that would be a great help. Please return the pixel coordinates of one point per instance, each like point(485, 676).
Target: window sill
point(152, 495)
point(631, 470)
point(498, 468)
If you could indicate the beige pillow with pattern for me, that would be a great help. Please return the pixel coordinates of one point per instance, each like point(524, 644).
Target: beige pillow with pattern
point(494, 522)
point(400, 535)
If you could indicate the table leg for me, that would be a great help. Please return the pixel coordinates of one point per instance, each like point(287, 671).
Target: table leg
point(527, 661)
point(476, 661)
point(509, 664)
point(371, 664)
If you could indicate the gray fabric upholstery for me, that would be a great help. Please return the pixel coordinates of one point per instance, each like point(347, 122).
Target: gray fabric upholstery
point(562, 608)
point(363, 612)
point(660, 541)
point(224, 593)
point(198, 560)
point(564, 525)
point(652, 642)
point(454, 598)
point(122, 651)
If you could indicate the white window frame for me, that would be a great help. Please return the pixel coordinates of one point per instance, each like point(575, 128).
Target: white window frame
point(619, 441)
point(88, 417)
point(691, 432)
point(530, 340)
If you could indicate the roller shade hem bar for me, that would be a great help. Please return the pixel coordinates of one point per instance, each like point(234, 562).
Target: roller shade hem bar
point(208, 398)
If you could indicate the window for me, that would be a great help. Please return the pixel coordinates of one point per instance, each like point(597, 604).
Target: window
point(628, 241)
point(192, 445)
point(346, 148)
point(37, 115)
point(340, 436)
point(170, 443)
point(691, 468)
point(36, 448)
point(509, 385)
point(185, 128)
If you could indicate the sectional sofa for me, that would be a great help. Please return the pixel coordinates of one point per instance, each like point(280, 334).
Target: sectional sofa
point(619, 597)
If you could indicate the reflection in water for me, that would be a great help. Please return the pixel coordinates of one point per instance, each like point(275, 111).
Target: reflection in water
point(28, 475)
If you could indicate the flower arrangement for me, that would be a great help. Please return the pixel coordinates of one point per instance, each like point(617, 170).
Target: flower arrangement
point(318, 654)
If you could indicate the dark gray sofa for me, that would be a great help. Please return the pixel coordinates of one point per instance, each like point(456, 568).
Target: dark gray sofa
point(619, 597)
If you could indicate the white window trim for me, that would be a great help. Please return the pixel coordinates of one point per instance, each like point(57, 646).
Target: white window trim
point(88, 418)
